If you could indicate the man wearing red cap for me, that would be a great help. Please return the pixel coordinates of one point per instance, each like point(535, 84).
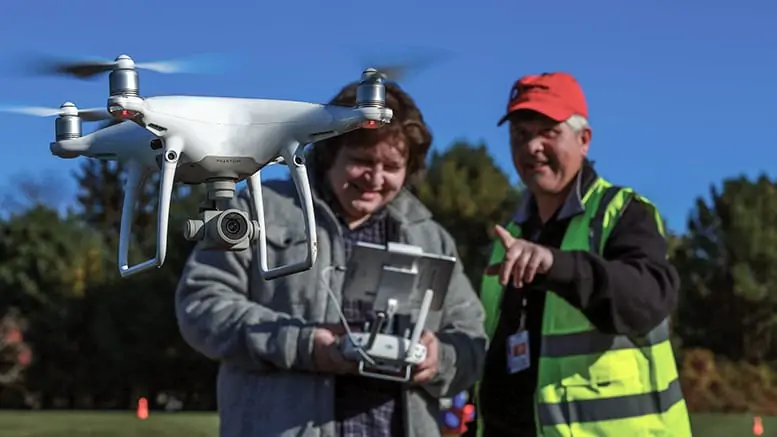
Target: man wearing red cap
point(579, 291)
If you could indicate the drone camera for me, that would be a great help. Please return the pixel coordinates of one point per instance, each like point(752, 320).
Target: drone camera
point(223, 230)
point(233, 226)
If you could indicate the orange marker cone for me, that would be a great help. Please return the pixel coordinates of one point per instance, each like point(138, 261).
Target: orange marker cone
point(758, 427)
point(142, 409)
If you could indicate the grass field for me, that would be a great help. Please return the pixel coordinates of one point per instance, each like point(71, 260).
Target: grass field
point(106, 424)
point(116, 424)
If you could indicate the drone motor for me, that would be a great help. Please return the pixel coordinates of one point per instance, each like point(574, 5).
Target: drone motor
point(68, 125)
point(371, 91)
point(124, 80)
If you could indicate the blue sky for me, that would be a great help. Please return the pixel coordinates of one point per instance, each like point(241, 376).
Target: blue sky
point(681, 94)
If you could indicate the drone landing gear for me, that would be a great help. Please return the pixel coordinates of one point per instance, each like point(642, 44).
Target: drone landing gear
point(219, 227)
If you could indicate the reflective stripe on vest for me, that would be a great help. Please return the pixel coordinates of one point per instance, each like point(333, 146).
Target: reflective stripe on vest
point(596, 342)
point(589, 382)
point(595, 410)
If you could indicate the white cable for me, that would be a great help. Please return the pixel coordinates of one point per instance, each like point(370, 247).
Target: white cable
point(325, 282)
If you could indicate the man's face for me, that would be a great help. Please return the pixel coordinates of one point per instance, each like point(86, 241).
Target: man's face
point(547, 154)
point(364, 179)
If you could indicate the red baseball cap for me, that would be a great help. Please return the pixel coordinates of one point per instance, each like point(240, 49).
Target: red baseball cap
point(556, 95)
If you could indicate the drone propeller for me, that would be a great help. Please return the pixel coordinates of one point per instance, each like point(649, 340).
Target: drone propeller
point(91, 114)
point(85, 68)
point(391, 73)
point(400, 66)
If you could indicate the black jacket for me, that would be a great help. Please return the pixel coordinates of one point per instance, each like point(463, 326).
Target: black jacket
point(628, 290)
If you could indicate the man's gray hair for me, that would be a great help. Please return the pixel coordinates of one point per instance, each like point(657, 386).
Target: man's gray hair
point(577, 123)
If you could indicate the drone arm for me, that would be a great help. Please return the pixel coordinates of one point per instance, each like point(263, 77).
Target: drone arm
point(135, 178)
point(217, 319)
point(299, 175)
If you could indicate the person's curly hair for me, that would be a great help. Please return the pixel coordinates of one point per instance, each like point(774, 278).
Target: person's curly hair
point(407, 124)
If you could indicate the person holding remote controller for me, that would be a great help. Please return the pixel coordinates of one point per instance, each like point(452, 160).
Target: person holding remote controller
point(282, 372)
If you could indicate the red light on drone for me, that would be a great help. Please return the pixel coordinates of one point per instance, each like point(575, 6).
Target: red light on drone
point(371, 124)
point(127, 114)
point(124, 114)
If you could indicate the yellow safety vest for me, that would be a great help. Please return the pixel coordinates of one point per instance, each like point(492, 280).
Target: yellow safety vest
point(591, 383)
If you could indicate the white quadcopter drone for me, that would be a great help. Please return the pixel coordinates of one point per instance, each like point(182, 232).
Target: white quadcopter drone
point(217, 141)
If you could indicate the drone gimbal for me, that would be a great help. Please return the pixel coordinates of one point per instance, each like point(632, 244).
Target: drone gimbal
point(217, 141)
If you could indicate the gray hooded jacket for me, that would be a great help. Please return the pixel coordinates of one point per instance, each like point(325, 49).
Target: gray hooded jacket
point(261, 331)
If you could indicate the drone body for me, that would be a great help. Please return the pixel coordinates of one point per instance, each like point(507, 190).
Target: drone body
point(218, 141)
point(222, 134)
point(225, 131)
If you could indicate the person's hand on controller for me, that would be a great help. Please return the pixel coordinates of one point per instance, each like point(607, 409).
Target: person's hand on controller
point(427, 369)
point(327, 355)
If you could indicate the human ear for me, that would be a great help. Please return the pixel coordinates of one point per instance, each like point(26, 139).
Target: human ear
point(585, 141)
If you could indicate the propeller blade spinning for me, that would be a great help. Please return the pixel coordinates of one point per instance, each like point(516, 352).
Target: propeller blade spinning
point(399, 66)
point(85, 68)
point(392, 73)
point(90, 114)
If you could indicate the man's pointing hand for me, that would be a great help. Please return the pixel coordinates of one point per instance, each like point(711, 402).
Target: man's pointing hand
point(523, 260)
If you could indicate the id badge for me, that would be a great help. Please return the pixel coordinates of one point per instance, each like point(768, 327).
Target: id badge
point(518, 352)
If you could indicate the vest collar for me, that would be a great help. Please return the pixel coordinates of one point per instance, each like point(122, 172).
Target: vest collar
point(573, 204)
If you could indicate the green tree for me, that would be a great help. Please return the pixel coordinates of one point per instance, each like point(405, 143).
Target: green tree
point(101, 195)
point(131, 320)
point(44, 258)
point(100, 202)
point(47, 263)
point(728, 264)
point(15, 354)
point(98, 340)
point(468, 194)
point(134, 328)
point(675, 242)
